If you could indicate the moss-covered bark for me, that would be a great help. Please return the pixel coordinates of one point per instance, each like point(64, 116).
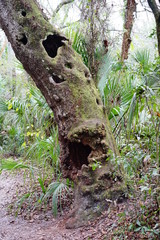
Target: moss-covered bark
point(84, 132)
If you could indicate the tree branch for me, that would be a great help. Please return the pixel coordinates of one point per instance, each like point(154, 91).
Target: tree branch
point(65, 2)
point(154, 7)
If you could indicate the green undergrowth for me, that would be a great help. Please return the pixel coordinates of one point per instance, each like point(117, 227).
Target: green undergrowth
point(38, 192)
point(141, 220)
point(29, 144)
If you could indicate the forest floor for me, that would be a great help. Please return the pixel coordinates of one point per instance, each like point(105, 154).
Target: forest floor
point(41, 225)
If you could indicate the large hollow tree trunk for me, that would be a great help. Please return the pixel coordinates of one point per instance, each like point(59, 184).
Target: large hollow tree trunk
point(156, 12)
point(84, 132)
point(129, 19)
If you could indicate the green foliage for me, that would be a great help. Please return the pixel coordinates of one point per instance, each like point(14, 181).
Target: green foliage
point(25, 119)
point(140, 226)
point(138, 163)
point(57, 191)
point(28, 129)
point(10, 164)
point(46, 151)
point(95, 165)
point(131, 91)
point(107, 63)
point(78, 42)
point(131, 95)
point(132, 100)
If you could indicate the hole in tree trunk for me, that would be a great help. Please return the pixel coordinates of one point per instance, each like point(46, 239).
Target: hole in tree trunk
point(23, 13)
point(52, 43)
point(57, 79)
point(79, 154)
point(23, 39)
point(87, 74)
point(97, 101)
point(68, 65)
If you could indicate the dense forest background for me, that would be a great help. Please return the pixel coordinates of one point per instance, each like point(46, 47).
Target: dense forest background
point(130, 90)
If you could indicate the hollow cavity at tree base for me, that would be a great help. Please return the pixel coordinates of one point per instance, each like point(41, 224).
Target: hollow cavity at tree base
point(94, 192)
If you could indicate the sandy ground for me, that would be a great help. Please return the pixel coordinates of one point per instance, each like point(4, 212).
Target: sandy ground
point(16, 228)
point(43, 226)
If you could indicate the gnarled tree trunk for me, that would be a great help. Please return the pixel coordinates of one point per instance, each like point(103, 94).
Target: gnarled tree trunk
point(84, 132)
point(129, 19)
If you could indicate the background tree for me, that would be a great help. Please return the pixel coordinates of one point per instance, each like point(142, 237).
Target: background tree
point(85, 134)
point(130, 10)
point(156, 11)
point(95, 17)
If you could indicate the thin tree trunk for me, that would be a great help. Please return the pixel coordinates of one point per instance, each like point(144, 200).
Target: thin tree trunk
point(85, 134)
point(129, 19)
point(156, 11)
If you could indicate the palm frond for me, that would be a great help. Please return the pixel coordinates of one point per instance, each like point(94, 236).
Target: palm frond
point(37, 96)
point(56, 190)
point(105, 70)
point(46, 150)
point(142, 57)
point(78, 42)
point(10, 164)
point(131, 110)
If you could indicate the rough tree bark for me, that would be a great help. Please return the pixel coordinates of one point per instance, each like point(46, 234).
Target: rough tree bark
point(156, 12)
point(129, 19)
point(85, 135)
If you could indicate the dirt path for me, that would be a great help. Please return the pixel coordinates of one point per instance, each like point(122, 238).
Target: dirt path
point(12, 228)
point(43, 226)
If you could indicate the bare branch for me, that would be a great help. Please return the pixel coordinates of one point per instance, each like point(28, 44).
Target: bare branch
point(65, 2)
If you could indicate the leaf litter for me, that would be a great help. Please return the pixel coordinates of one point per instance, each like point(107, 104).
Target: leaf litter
point(120, 221)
